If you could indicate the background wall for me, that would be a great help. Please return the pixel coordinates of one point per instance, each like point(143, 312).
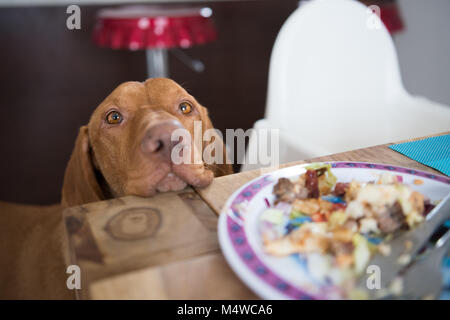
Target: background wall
point(424, 48)
point(51, 80)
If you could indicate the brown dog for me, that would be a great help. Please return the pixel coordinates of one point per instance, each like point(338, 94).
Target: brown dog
point(124, 150)
point(126, 147)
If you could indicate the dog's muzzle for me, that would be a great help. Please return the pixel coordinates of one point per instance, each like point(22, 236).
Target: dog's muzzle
point(157, 139)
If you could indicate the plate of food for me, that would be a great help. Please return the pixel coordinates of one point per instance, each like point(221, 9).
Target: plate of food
point(309, 231)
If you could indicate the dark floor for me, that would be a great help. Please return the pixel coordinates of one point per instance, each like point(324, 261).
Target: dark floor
point(51, 79)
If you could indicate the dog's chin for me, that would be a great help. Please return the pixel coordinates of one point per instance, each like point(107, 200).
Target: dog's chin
point(171, 182)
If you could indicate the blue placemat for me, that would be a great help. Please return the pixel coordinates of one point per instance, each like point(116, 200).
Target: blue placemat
point(433, 152)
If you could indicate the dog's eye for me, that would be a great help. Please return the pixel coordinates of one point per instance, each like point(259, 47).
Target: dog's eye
point(114, 117)
point(185, 108)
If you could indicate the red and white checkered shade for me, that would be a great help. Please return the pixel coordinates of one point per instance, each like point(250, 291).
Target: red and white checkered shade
point(142, 27)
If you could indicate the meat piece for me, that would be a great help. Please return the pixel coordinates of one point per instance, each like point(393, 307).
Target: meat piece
point(342, 234)
point(341, 248)
point(298, 241)
point(351, 224)
point(352, 192)
point(312, 206)
point(391, 218)
point(283, 186)
point(341, 188)
point(287, 191)
point(302, 193)
point(344, 260)
point(284, 190)
point(312, 183)
point(343, 251)
point(427, 208)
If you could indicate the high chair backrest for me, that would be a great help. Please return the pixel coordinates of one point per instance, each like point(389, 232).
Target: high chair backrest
point(331, 59)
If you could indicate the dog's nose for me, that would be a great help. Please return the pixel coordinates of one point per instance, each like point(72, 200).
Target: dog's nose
point(157, 139)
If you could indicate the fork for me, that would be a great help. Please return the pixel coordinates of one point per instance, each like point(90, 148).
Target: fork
point(404, 249)
point(423, 279)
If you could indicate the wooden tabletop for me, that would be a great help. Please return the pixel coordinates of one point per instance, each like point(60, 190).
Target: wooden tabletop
point(166, 247)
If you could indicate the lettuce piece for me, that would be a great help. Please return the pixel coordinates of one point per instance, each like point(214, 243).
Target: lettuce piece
point(274, 216)
point(337, 218)
point(296, 214)
point(317, 166)
point(330, 179)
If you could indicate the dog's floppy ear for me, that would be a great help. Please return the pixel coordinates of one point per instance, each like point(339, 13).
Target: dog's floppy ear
point(219, 169)
point(80, 183)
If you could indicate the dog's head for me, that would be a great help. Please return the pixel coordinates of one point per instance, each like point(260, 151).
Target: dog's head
point(127, 146)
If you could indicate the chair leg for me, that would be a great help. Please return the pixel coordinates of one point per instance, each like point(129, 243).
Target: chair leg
point(195, 64)
point(157, 63)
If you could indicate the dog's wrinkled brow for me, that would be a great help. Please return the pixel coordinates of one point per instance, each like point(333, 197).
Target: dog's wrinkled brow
point(128, 95)
point(163, 90)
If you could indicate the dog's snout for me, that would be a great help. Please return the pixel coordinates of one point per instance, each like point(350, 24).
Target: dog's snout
point(158, 138)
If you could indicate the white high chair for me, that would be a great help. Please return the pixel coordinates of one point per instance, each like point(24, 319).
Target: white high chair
point(335, 85)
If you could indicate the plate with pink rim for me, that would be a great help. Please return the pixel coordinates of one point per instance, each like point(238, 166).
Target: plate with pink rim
point(288, 277)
